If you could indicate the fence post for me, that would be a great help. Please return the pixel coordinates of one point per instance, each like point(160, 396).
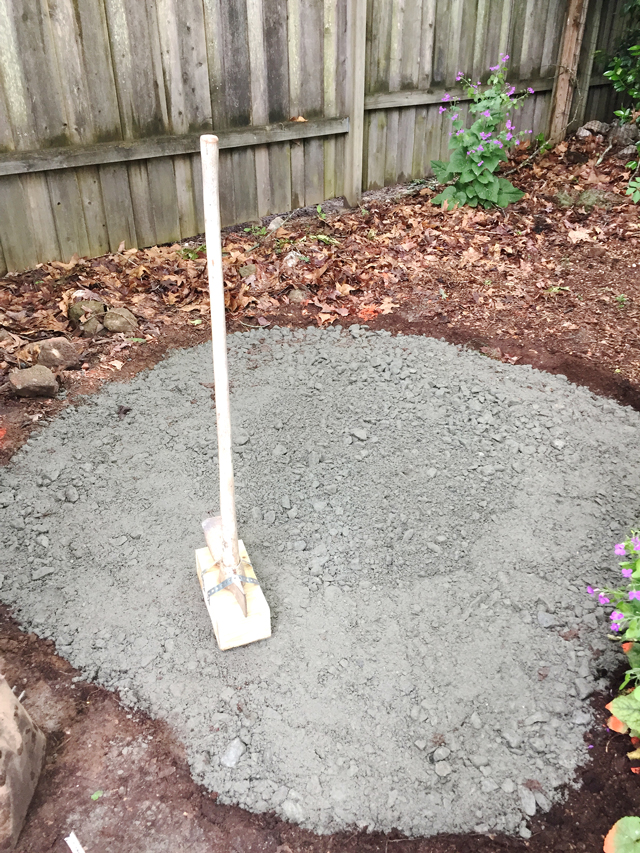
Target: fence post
point(589, 44)
point(355, 138)
point(567, 69)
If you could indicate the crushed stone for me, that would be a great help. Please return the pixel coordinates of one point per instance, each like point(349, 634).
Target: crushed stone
point(423, 521)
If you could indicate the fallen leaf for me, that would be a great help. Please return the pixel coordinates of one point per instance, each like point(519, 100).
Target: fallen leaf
point(368, 312)
point(297, 118)
point(470, 255)
point(322, 318)
point(121, 246)
point(117, 364)
point(387, 305)
point(262, 321)
point(617, 725)
point(344, 288)
point(578, 235)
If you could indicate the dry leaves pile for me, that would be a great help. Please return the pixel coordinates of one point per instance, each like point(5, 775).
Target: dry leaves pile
point(555, 270)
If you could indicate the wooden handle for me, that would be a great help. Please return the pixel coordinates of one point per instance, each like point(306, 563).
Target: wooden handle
point(209, 153)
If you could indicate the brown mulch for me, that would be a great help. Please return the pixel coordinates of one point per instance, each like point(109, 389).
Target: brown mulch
point(545, 282)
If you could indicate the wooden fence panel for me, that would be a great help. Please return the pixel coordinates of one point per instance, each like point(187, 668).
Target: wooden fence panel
point(101, 103)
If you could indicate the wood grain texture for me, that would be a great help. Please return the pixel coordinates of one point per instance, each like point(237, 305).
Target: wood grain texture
point(118, 206)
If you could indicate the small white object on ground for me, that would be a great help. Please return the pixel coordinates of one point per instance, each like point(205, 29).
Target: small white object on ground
point(73, 843)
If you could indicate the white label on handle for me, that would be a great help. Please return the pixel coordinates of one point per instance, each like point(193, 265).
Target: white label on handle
point(74, 844)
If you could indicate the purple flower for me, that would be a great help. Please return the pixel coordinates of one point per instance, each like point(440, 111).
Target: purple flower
point(634, 593)
point(511, 91)
point(505, 57)
point(602, 598)
point(498, 143)
point(459, 76)
point(443, 110)
point(619, 549)
point(486, 114)
point(509, 126)
point(494, 67)
point(616, 616)
point(480, 162)
point(531, 91)
point(626, 573)
point(614, 626)
point(517, 142)
point(454, 116)
point(458, 132)
point(636, 543)
point(479, 149)
point(590, 590)
point(509, 136)
point(446, 97)
point(484, 135)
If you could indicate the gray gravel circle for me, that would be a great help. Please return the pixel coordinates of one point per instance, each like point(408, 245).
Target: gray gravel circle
point(423, 521)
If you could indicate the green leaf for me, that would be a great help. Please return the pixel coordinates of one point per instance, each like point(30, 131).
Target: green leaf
point(624, 836)
point(441, 170)
point(446, 195)
point(627, 708)
point(96, 795)
point(508, 193)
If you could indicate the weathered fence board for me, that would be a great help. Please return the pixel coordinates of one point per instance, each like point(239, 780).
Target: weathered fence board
point(102, 103)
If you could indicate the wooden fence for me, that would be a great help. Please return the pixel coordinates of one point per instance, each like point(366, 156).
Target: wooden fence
point(102, 103)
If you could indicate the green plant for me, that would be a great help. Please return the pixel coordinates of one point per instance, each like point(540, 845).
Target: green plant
point(321, 214)
point(193, 253)
point(634, 190)
point(625, 617)
point(479, 149)
point(324, 238)
point(621, 299)
point(256, 230)
point(623, 837)
point(555, 289)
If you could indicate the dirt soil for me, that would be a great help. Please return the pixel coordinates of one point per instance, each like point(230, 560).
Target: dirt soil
point(551, 281)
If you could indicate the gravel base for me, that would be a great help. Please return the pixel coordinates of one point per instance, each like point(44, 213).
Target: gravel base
point(423, 521)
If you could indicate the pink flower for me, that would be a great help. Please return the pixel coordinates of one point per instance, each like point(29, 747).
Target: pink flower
point(634, 593)
point(602, 598)
point(443, 110)
point(619, 549)
point(626, 573)
point(636, 543)
point(446, 97)
point(531, 91)
point(509, 137)
point(505, 57)
point(460, 76)
point(480, 162)
point(590, 590)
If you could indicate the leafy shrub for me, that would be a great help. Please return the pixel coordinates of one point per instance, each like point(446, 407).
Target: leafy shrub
point(479, 149)
point(625, 616)
point(624, 67)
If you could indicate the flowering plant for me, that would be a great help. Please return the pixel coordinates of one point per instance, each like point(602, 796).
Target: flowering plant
point(478, 150)
point(625, 616)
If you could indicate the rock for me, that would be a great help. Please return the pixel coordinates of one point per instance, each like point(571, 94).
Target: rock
point(91, 327)
point(241, 438)
point(293, 811)
point(269, 517)
point(583, 133)
point(276, 222)
point(247, 270)
point(475, 721)
point(297, 296)
point(433, 547)
point(512, 738)
point(524, 831)
point(488, 785)
point(58, 352)
point(90, 309)
point(120, 320)
point(542, 801)
point(279, 796)
point(36, 381)
point(38, 574)
point(233, 753)
point(421, 744)
point(441, 753)
point(479, 760)
point(624, 134)
point(22, 752)
point(629, 152)
point(286, 502)
point(584, 688)
point(442, 768)
point(546, 620)
point(597, 127)
point(71, 494)
point(508, 787)
point(360, 434)
point(431, 473)
point(527, 801)
point(7, 498)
